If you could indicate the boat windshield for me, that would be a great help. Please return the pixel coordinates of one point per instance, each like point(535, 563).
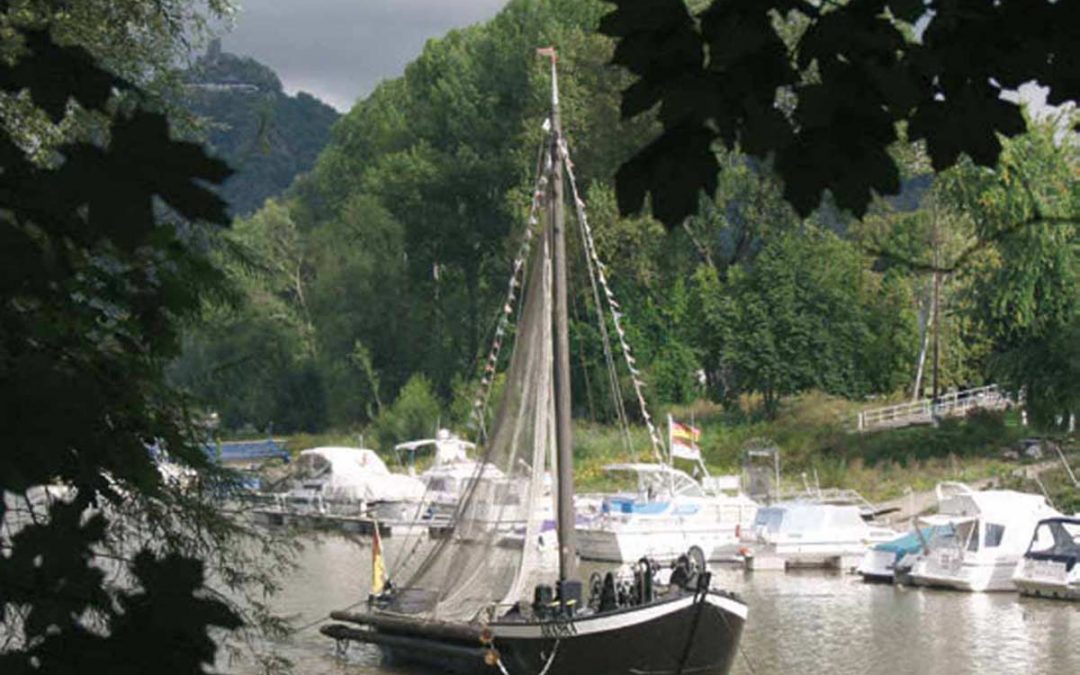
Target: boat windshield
point(1056, 538)
point(311, 466)
point(769, 519)
point(652, 484)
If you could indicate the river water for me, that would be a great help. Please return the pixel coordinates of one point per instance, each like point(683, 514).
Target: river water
point(806, 622)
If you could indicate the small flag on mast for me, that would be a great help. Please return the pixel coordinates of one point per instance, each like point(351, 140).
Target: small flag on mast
point(684, 440)
point(378, 567)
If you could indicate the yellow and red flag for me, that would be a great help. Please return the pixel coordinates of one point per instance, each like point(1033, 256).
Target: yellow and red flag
point(378, 567)
point(684, 440)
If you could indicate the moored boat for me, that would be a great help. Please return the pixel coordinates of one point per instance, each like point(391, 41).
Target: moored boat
point(341, 481)
point(665, 514)
point(891, 561)
point(992, 530)
point(473, 605)
point(1051, 566)
point(801, 534)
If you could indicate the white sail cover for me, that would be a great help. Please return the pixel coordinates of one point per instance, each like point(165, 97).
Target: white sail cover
point(493, 556)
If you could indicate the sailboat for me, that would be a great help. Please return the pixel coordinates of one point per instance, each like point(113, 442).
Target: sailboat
point(474, 604)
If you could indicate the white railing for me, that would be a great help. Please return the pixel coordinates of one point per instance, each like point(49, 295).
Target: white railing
point(925, 411)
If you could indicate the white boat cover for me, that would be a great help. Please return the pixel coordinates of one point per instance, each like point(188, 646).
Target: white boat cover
point(813, 522)
point(355, 474)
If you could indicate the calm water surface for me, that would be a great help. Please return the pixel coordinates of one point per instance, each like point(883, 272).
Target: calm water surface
point(806, 622)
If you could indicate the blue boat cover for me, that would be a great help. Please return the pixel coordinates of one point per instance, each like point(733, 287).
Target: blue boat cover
point(628, 505)
point(908, 543)
point(242, 451)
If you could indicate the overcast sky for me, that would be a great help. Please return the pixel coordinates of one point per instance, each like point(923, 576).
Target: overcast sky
point(339, 50)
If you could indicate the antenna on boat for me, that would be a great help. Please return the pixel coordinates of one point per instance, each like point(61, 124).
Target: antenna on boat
point(563, 437)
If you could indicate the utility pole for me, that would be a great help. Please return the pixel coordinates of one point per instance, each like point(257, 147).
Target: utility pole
point(937, 299)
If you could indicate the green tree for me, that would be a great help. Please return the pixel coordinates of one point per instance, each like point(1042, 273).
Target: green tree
point(824, 105)
point(96, 279)
point(803, 316)
point(1027, 298)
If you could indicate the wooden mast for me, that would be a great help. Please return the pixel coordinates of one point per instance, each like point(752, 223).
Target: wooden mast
point(563, 437)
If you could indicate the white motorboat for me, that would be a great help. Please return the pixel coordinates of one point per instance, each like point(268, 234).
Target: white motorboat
point(666, 513)
point(449, 476)
point(810, 534)
point(1051, 566)
point(891, 561)
point(992, 530)
point(349, 482)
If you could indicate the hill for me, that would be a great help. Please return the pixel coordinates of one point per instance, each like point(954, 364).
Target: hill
point(267, 136)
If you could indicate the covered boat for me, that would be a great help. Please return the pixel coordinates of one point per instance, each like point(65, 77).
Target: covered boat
point(1051, 566)
point(992, 530)
point(809, 534)
point(661, 515)
point(891, 561)
point(350, 482)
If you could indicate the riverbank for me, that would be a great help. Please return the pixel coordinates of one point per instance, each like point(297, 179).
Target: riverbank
point(817, 443)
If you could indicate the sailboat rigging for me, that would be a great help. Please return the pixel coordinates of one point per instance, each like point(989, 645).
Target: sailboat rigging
point(482, 599)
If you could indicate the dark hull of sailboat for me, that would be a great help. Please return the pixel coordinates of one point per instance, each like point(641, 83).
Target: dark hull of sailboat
point(689, 634)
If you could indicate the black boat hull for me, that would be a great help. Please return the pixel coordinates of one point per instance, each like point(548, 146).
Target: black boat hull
point(692, 635)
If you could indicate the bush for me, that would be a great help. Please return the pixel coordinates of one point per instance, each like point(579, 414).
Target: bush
point(415, 414)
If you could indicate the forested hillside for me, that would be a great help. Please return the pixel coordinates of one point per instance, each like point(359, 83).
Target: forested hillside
point(387, 263)
point(267, 136)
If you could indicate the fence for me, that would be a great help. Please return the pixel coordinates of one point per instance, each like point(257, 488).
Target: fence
point(925, 411)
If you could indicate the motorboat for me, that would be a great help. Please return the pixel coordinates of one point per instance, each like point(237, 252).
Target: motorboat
point(810, 534)
point(1051, 566)
point(343, 481)
point(663, 514)
point(449, 476)
point(992, 529)
point(891, 561)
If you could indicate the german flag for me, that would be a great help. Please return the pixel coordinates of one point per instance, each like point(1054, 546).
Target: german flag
point(684, 440)
point(685, 433)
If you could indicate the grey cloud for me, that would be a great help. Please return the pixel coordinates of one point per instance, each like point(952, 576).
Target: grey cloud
point(339, 50)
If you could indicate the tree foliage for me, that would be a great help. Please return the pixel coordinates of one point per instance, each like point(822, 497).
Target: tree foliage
point(819, 89)
point(389, 261)
point(104, 564)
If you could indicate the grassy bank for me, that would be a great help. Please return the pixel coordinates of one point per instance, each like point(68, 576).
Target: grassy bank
point(817, 443)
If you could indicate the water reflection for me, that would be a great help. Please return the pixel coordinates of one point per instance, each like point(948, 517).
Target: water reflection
point(803, 622)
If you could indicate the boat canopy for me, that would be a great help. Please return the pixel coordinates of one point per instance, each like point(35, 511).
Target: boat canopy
point(807, 517)
point(449, 448)
point(1056, 539)
point(659, 479)
point(354, 474)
